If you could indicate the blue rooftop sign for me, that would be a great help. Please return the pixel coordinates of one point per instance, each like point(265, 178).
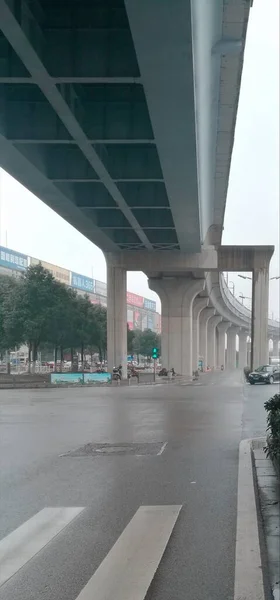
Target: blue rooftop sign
point(150, 304)
point(82, 283)
point(12, 259)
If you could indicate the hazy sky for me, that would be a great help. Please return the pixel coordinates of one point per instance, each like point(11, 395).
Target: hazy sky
point(252, 211)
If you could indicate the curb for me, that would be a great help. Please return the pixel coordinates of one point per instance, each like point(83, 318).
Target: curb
point(268, 493)
point(248, 583)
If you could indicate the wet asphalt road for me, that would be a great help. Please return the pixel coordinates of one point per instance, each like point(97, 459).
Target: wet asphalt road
point(202, 425)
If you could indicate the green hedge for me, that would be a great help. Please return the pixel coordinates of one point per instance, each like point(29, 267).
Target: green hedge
point(272, 407)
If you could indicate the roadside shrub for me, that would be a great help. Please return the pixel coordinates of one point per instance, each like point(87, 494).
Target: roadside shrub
point(272, 407)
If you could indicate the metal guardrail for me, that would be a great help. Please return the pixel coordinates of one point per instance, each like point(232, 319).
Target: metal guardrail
point(242, 311)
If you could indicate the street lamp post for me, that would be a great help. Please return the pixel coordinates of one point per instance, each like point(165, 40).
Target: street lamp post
point(246, 277)
point(244, 298)
point(233, 287)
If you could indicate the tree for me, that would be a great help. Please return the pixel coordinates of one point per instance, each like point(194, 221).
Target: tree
point(33, 306)
point(148, 340)
point(101, 316)
point(97, 330)
point(136, 343)
point(10, 336)
point(60, 327)
point(85, 324)
point(130, 339)
point(144, 341)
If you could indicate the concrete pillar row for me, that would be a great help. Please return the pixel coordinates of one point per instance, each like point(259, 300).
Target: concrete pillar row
point(198, 305)
point(211, 340)
point(242, 354)
point(177, 295)
point(231, 346)
point(116, 319)
point(222, 329)
point(275, 347)
point(259, 350)
point(205, 315)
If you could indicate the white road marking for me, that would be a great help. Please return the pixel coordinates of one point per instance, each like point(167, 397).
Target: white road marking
point(248, 582)
point(128, 569)
point(27, 540)
point(162, 449)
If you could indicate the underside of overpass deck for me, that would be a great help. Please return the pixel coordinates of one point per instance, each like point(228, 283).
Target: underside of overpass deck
point(120, 114)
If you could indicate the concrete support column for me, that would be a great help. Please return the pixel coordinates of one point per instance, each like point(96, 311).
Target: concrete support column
point(205, 315)
point(198, 305)
point(222, 329)
point(177, 295)
point(231, 347)
point(116, 319)
point(275, 347)
point(211, 340)
point(242, 353)
point(259, 352)
point(249, 353)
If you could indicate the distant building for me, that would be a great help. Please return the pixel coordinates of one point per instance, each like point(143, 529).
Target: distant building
point(141, 312)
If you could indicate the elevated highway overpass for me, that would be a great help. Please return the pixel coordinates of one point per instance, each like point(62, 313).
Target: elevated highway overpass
point(120, 115)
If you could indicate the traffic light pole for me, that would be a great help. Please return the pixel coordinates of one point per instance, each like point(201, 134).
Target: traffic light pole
point(155, 355)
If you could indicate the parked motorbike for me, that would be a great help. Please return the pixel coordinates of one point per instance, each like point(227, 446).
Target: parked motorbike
point(133, 373)
point(163, 372)
point(117, 373)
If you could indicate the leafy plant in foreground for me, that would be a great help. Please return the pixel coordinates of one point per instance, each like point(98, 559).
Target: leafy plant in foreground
point(272, 406)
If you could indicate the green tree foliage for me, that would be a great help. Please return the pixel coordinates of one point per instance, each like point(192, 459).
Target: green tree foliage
point(136, 343)
point(34, 301)
point(100, 315)
point(38, 310)
point(148, 340)
point(272, 407)
point(144, 341)
point(130, 340)
point(61, 331)
point(9, 337)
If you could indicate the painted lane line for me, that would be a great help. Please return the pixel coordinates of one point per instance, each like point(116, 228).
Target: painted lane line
point(162, 449)
point(27, 540)
point(248, 584)
point(128, 569)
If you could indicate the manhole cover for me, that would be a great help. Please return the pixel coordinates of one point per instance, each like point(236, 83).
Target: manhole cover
point(113, 449)
point(134, 449)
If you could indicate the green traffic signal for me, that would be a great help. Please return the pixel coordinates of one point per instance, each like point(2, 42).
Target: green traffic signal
point(155, 353)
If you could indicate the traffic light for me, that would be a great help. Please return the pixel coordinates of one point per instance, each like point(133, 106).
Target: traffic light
point(155, 353)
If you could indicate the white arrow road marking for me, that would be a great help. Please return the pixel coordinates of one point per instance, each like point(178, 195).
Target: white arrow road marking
point(162, 449)
point(128, 569)
point(27, 540)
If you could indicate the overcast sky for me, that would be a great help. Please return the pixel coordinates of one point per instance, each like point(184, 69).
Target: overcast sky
point(252, 211)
